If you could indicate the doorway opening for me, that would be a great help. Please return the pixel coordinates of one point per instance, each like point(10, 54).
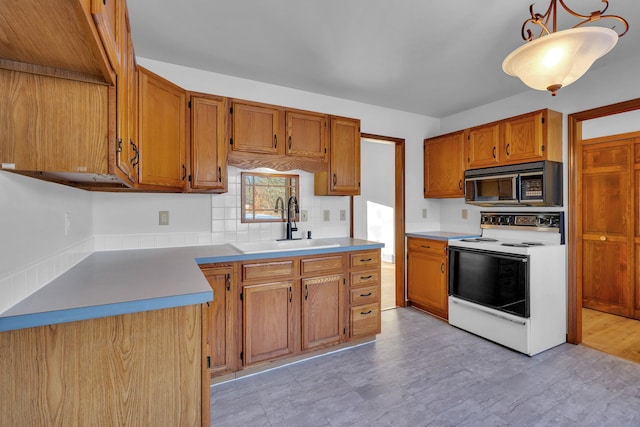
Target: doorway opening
point(380, 210)
point(604, 244)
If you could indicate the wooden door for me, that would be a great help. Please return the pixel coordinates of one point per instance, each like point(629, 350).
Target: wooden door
point(306, 134)
point(523, 139)
point(322, 311)
point(482, 147)
point(219, 340)
point(162, 131)
point(427, 277)
point(208, 166)
point(344, 166)
point(444, 166)
point(257, 128)
point(607, 226)
point(268, 323)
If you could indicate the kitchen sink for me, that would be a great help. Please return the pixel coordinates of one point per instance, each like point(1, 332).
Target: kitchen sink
point(281, 245)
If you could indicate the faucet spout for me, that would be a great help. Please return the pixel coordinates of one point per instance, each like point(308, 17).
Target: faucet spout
point(279, 207)
point(292, 203)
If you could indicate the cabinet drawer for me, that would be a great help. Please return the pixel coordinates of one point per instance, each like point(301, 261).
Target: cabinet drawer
point(363, 278)
point(314, 265)
point(438, 247)
point(368, 295)
point(365, 320)
point(365, 259)
point(265, 270)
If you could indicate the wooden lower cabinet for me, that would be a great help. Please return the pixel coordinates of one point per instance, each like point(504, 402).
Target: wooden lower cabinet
point(139, 369)
point(322, 311)
point(364, 290)
point(427, 275)
point(268, 320)
point(219, 330)
point(268, 310)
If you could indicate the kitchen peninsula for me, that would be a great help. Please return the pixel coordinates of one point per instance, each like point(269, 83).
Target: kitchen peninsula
point(119, 337)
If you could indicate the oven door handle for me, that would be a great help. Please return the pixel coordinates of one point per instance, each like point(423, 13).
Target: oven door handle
point(500, 316)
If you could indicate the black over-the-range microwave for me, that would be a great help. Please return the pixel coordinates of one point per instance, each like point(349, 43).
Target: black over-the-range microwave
point(525, 184)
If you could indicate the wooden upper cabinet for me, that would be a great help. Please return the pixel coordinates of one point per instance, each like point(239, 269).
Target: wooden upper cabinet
point(306, 134)
point(444, 165)
point(256, 128)
point(109, 16)
point(483, 148)
point(208, 157)
point(162, 132)
point(343, 176)
point(532, 137)
point(526, 138)
point(60, 35)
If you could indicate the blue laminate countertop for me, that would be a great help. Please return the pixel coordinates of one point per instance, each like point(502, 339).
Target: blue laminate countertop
point(129, 281)
point(442, 235)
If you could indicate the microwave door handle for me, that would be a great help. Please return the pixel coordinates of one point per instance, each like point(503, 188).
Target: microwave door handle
point(518, 179)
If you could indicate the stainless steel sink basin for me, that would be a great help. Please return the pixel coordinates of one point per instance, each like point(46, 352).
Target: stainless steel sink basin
point(281, 245)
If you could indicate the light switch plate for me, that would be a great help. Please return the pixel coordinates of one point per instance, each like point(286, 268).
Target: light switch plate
point(465, 214)
point(326, 215)
point(304, 215)
point(343, 215)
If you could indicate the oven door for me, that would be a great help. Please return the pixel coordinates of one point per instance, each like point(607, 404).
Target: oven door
point(496, 280)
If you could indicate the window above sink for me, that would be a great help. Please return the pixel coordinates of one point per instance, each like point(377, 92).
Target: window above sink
point(265, 196)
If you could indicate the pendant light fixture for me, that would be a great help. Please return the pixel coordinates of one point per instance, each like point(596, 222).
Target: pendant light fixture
point(555, 59)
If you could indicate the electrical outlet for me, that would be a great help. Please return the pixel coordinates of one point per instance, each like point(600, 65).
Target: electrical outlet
point(304, 215)
point(424, 213)
point(343, 215)
point(465, 214)
point(326, 215)
point(163, 218)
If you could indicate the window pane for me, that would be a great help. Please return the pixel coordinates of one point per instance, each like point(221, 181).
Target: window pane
point(266, 195)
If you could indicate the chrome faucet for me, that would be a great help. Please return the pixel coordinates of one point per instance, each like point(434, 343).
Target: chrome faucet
point(291, 228)
point(279, 202)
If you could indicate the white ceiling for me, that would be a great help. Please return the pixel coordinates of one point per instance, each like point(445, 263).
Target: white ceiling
point(427, 57)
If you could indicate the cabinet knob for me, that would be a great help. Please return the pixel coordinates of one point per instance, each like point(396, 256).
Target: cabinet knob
point(335, 179)
point(506, 149)
point(603, 238)
point(290, 143)
point(493, 152)
point(460, 185)
point(442, 268)
point(275, 141)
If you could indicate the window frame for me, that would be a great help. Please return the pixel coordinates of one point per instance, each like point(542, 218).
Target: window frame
point(289, 190)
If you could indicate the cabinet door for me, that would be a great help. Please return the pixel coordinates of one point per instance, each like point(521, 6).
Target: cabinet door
point(306, 135)
point(268, 320)
point(126, 151)
point(162, 124)
point(343, 176)
point(482, 148)
point(109, 16)
point(219, 341)
point(523, 139)
point(256, 128)
point(208, 142)
point(427, 281)
point(444, 166)
point(322, 311)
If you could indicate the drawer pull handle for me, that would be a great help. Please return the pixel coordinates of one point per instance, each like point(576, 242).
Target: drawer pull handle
point(290, 294)
point(425, 246)
point(366, 277)
point(306, 292)
point(442, 268)
point(365, 260)
point(366, 312)
point(366, 295)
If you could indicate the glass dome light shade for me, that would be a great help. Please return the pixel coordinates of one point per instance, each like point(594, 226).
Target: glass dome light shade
point(559, 59)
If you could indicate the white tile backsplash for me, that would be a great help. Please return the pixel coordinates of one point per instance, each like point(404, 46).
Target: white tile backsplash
point(22, 283)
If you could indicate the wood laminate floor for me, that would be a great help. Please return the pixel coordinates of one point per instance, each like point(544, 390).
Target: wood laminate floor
point(423, 372)
point(388, 297)
point(612, 334)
